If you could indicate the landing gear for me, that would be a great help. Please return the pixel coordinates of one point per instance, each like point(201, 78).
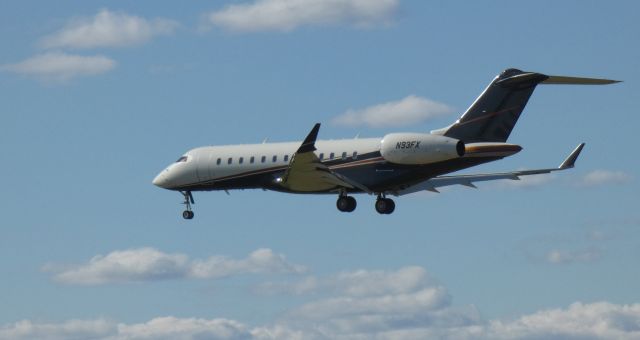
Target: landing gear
point(187, 214)
point(346, 203)
point(188, 200)
point(385, 205)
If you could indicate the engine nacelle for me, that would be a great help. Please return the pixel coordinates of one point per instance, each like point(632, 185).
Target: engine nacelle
point(419, 148)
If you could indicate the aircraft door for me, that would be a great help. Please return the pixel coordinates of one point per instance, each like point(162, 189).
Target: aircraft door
point(202, 166)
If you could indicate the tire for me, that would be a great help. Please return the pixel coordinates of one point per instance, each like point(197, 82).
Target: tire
point(391, 206)
point(187, 215)
point(343, 203)
point(381, 206)
point(385, 206)
point(352, 203)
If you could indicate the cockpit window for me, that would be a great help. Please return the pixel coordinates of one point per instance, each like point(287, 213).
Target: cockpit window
point(182, 159)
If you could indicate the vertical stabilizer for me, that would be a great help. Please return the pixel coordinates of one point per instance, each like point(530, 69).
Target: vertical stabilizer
point(494, 114)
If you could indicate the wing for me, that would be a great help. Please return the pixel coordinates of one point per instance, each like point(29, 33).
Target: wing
point(468, 180)
point(307, 174)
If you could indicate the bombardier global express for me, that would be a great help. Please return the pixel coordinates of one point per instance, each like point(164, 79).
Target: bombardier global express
point(394, 165)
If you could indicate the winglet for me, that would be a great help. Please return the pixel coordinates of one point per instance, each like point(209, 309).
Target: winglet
point(309, 142)
point(571, 160)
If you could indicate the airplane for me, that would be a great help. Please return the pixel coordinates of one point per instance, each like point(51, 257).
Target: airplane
point(394, 165)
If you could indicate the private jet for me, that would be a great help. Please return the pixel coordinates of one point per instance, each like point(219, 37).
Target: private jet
point(394, 165)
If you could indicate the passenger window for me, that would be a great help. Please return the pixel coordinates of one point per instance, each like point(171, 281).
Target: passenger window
point(275, 159)
point(218, 161)
point(229, 160)
point(344, 155)
point(286, 158)
point(355, 155)
point(264, 159)
point(321, 156)
point(252, 159)
point(331, 155)
point(241, 160)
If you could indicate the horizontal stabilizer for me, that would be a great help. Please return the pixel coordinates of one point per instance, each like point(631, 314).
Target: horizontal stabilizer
point(562, 80)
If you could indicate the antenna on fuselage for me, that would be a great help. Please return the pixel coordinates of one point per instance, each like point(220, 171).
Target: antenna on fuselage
point(264, 141)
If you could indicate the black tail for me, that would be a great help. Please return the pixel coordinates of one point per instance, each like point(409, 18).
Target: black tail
point(492, 117)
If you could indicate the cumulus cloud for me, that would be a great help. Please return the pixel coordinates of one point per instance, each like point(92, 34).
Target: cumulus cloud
point(157, 329)
point(187, 328)
point(601, 320)
point(603, 177)
point(355, 283)
point(400, 304)
point(108, 29)
point(286, 15)
point(526, 182)
point(60, 66)
point(407, 111)
point(557, 256)
point(149, 264)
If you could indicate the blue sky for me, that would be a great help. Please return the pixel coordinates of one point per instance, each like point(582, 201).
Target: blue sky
point(98, 97)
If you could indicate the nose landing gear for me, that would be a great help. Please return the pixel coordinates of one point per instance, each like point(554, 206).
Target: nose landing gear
point(188, 200)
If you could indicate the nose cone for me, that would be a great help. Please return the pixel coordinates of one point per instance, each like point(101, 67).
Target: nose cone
point(161, 180)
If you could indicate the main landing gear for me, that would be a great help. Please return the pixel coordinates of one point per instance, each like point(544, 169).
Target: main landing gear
point(346, 203)
point(384, 205)
point(187, 214)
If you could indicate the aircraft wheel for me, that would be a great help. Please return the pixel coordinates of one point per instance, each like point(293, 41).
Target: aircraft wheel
point(385, 206)
point(346, 203)
point(352, 203)
point(391, 206)
point(187, 214)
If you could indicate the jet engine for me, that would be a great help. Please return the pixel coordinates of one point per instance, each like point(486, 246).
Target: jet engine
point(419, 148)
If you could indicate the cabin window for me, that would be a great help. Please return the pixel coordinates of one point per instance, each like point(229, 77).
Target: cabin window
point(264, 159)
point(321, 156)
point(252, 159)
point(331, 155)
point(344, 155)
point(286, 158)
point(275, 159)
point(355, 155)
point(218, 161)
point(230, 160)
point(182, 159)
point(241, 160)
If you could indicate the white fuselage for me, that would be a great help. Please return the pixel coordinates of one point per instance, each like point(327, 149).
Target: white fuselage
point(211, 163)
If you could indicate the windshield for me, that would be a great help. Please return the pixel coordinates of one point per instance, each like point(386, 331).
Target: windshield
point(182, 159)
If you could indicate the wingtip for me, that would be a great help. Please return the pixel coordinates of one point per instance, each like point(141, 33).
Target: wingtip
point(571, 160)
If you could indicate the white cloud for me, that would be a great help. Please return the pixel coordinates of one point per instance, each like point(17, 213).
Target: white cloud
point(603, 177)
point(149, 264)
point(286, 15)
point(108, 29)
point(356, 283)
point(361, 304)
point(72, 329)
point(386, 310)
point(557, 256)
point(600, 320)
point(188, 328)
point(156, 329)
point(525, 182)
point(60, 66)
point(407, 111)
